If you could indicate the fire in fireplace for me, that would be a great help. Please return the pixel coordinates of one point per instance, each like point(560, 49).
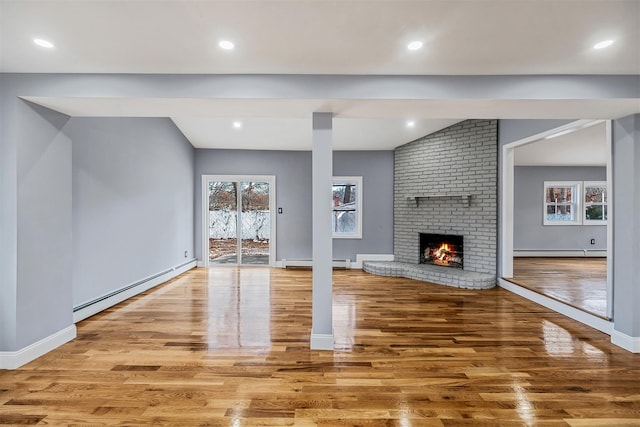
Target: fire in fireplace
point(441, 249)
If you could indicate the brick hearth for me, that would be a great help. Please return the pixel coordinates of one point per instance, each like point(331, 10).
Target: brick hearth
point(431, 273)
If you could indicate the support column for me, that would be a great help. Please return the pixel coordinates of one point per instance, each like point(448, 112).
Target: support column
point(626, 233)
point(322, 173)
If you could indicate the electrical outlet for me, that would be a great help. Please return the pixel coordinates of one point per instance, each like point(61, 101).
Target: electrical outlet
point(593, 241)
point(185, 253)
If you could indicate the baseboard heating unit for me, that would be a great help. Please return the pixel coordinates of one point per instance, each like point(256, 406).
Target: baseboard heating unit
point(307, 263)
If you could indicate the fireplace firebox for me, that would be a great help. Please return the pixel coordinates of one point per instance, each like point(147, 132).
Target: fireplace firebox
point(441, 249)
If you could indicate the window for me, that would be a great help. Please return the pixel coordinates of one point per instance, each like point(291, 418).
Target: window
point(595, 203)
point(347, 207)
point(575, 203)
point(561, 203)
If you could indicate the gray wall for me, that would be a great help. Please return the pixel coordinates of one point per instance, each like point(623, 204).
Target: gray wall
point(459, 159)
point(39, 201)
point(132, 201)
point(529, 233)
point(36, 233)
point(626, 232)
point(511, 130)
point(376, 169)
point(44, 223)
point(292, 170)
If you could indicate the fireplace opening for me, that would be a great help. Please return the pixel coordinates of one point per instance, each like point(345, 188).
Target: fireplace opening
point(441, 249)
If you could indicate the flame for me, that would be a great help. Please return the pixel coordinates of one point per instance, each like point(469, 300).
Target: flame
point(443, 251)
point(444, 255)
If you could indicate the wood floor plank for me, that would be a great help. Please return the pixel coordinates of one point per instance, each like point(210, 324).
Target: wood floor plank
point(230, 346)
point(578, 282)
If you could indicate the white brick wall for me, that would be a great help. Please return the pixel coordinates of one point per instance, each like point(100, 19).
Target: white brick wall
point(458, 159)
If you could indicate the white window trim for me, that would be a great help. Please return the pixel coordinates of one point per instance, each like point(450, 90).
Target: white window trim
point(605, 203)
point(357, 180)
point(577, 198)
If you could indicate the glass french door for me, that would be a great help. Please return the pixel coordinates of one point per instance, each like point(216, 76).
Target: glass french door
point(239, 228)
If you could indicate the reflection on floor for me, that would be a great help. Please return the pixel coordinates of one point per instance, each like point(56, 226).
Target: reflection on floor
point(579, 282)
point(229, 346)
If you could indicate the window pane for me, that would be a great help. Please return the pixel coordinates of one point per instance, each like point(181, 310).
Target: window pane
point(223, 214)
point(346, 205)
point(344, 208)
point(560, 213)
point(559, 194)
point(595, 194)
point(344, 194)
point(344, 221)
point(595, 213)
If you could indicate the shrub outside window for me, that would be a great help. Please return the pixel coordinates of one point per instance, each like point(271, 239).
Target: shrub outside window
point(595, 203)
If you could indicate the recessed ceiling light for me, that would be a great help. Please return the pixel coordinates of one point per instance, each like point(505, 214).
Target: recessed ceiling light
point(44, 43)
point(226, 45)
point(603, 44)
point(237, 124)
point(415, 45)
point(410, 123)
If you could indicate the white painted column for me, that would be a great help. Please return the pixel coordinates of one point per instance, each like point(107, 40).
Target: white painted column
point(322, 172)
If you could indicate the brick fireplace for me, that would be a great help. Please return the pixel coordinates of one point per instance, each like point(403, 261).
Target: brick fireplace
point(446, 184)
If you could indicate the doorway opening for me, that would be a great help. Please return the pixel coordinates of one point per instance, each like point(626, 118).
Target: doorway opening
point(238, 220)
point(580, 278)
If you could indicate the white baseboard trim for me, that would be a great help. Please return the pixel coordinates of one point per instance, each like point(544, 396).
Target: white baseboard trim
point(595, 322)
point(88, 309)
point(200, 264)
point(321, 341)
point(625, 341)
point(360, 258)
point(559, 254)
point(357, 264)
point(15, 359)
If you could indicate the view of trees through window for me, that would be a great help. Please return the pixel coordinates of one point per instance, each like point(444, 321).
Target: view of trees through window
point(223, 195)
point(595, 202)
point(575, 203)
point(344, 208)
point(560, 203)
point(223, 216)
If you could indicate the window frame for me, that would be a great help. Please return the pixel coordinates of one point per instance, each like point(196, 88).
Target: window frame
point(604, 203)
point(357, 181)
point(576, 202)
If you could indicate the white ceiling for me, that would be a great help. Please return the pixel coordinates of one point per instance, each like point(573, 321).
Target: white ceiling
point(462, 37)
point(584, 147)
point(295, 133)
point(322, 37)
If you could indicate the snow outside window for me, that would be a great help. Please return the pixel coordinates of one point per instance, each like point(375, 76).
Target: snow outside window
point(346, 220)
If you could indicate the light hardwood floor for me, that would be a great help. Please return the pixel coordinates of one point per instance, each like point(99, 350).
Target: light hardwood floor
point(578, 282)
point(230, 347)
